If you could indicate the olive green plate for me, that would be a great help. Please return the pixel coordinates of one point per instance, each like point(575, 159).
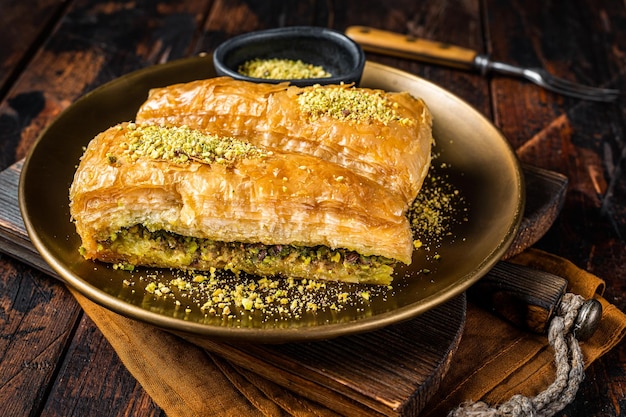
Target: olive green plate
point(479, 162)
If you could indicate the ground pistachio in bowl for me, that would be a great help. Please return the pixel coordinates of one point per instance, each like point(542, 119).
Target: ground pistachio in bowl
point(280, 69)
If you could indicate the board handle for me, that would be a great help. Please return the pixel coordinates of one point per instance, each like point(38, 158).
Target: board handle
point(406, 46)
point(529, 298)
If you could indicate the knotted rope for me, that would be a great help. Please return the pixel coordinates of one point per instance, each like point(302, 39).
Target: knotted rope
point(569, 372)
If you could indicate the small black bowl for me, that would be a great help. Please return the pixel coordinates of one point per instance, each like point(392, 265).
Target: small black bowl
point(335, 52)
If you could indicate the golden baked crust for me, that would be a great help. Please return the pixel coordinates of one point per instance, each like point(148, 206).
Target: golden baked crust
point(130, 177)
point(385, 137)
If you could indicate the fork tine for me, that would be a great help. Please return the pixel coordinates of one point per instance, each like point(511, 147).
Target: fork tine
point(546, 80)
point(560, 82)
point(592, 96)
point(563, 86)
point(585, 93)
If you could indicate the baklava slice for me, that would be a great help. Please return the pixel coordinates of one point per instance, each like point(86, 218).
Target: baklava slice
point(175, 197)
point(384, 136)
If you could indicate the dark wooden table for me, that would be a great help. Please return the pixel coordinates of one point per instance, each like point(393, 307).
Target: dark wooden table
point(54, 361)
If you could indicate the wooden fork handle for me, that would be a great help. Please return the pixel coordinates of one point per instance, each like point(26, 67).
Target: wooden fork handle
point(406, 46)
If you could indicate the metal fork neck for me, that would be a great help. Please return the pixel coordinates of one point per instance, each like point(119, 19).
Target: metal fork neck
point(485, 65)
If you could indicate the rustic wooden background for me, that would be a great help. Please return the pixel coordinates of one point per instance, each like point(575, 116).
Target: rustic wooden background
point(55, 362)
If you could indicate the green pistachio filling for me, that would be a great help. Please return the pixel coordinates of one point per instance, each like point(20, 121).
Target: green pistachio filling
point(182, 144)
point(140, 246)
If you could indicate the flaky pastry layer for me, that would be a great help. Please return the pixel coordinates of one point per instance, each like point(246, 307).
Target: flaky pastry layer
point(383, 136)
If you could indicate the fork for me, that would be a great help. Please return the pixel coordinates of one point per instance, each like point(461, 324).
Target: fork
point(389, 43)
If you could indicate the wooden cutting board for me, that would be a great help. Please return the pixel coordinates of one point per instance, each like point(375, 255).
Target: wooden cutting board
point(393, 371)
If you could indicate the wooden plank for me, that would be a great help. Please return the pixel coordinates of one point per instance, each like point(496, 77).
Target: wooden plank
point(115, 389)
point(546, 192)
point(254, 15)
point(13, 239)
point(25, 24)
point(530, 43)
point(582, 140)
point(38, 317)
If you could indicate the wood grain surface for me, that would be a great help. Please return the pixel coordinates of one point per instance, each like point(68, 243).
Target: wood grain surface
point(57, 363)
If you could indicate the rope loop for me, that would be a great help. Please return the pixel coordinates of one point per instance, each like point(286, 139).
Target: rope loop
point(570, 372)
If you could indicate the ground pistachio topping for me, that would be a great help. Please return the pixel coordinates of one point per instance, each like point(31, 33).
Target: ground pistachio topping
point(182, 144)
point(439, 207)
point(240, 298)
point(350, 104)
point(281, 69)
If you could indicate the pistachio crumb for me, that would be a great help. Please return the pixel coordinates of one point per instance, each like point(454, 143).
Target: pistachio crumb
point(223, 294)
point(111, 159)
